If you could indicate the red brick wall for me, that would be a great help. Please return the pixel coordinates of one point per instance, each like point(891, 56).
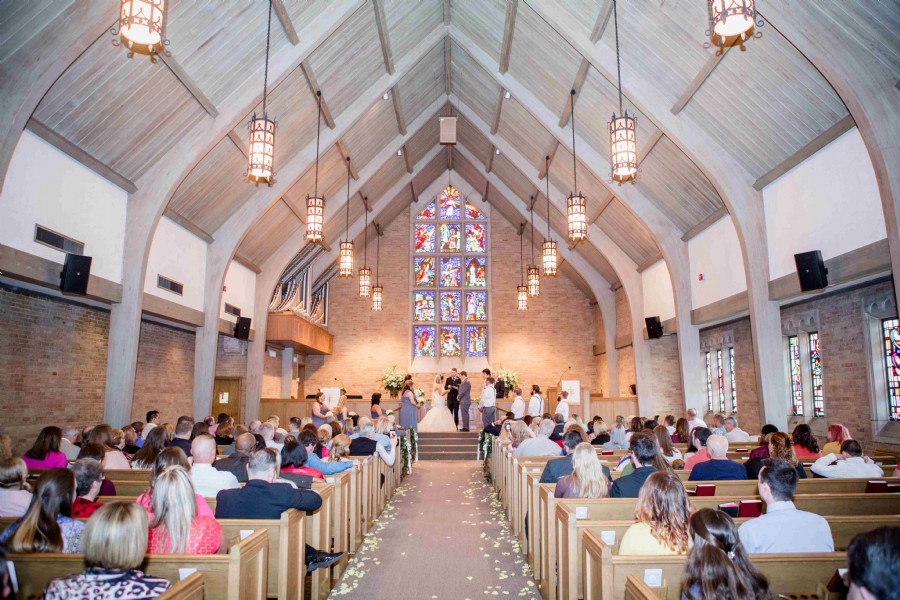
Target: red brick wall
point(165, 373)
point(668, 397)
point(271, 379)
point(626, 355)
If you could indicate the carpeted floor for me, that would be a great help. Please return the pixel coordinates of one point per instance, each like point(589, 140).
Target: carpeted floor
point(443, 536)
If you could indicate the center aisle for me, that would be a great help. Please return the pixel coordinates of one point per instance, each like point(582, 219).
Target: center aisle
point(442, 537)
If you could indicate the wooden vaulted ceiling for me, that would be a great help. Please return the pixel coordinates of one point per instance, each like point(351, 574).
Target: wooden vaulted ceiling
point(127, 114)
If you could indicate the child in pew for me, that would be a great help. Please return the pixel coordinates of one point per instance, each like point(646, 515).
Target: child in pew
point(662, 514)
point(718, 566)
point(115, 539)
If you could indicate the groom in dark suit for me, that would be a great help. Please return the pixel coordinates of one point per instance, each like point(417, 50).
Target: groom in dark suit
point(452, 386)
point(465, 400)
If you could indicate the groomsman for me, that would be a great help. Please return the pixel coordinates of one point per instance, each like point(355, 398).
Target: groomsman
point(452, 386)
point(465, 400)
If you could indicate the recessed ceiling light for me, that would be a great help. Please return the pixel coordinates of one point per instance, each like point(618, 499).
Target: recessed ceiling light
point(386, 96)
point(497, 151)
point(507, 95)
point(400, 152)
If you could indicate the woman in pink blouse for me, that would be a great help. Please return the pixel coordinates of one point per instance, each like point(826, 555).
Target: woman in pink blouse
point(171, 457)
point(176, 528)
point(45, 453)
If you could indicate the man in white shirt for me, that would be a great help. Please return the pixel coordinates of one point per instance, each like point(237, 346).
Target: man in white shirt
point(783, 529)
point(536, 403)
point(518, 405)
point(209, 481)
point(487, 404)
point(562, 408)
point(152, 421)
point(267, 431)
point(540, 445)
point(851, 463)
point(67, 443)
point(693, 421)
point(670, 424)
point(733, 433)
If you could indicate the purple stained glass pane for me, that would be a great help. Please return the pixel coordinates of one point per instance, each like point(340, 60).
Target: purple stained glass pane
point(476, 272)
point(424, 306)
point(476, 340)
point(429, 212)
point(424, 340)
point(450, 203)
point(476, 236)
point(451, 271)
point(451, 310)
point(473, 213)
point(451, 344)
point(425, 238)
point(476, 306)
point(424, 270)
point(450, 237)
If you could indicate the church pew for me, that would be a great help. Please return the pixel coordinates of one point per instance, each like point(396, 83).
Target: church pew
point(605, 574)
point(635, 589)
point(341, 517)
point(238, 575)
point(804, 486)
point(189, 588)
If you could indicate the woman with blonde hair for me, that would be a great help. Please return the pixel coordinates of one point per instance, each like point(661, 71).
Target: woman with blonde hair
point(780, 446)
point(601, 432)
point(176, 527)
point(170, 457)
point(340, 449)
point(518, 433)
point(662, 515)
point(587, 479)
point(15, 493)
point(114, 542)
point(325, 433)
point(47, 525)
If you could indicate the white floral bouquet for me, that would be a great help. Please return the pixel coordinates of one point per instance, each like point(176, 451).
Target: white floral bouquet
point(392, 379)
point(420, 396)
point(352, 414)
point(509, 378)
point(388, 413)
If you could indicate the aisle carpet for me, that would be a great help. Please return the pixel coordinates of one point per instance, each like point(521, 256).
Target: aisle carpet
point(442, 537)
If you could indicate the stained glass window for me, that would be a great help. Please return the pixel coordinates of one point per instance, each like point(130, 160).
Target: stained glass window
point(721, 381)
point(890, 329)
point(450, 262)
point(794, 370)
point(815, 375)
point(733, 380)
point(709, 386)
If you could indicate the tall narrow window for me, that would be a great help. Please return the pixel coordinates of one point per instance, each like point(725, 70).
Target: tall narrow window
point(709, 386)
point(796, 380)
point(890, 329)
point(721, 380)
point(733, 380)
point(815, 372)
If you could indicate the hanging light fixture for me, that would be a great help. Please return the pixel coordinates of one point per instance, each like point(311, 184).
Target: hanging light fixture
point(315, 204)
point(142, 27)
point(522, 289)
point(622, 131)
point(576, 204)
point(345, 265)
point(549, 248)
point(377, 289)
point(534, 274)
point(261, 156)
point(365, 273)
point(731, 22)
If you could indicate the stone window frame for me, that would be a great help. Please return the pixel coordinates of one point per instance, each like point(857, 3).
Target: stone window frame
point(711, 343)
point(801, 325)
point(874, 310)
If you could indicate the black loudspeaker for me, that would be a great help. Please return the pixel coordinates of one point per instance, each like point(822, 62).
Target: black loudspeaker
point(654, 328)
point(811, 271)
point(242, 328)
point(75, 274)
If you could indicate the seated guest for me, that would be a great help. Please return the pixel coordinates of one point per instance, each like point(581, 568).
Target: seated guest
point(199, 428)
point(325, 432)
point(262, 498)
point(669, 423)
point(114, 546)
point(47, 525)
point(155, 442)
point(718, 565)
point(669, 452)
point(340, 449)
point(115, 458)
point(558, 427)
point(267, 431)
point(45, 453)
point(698, 441)
point(236, 432)
point(208, 481)
point(560, 467)
point(540, 445)
point(850, 463)
point(805, 444)
point(873, 559)
point(587, 479)
point(309, 440)
point(222, 419)
point(365, 444)
point(182, 437)
point(294, 458)
point(171, 457)
point(780, 446)
point(718, 467)
point(694, 421)
point(718, 427)
point(783, 529)
point(130, 447)
point(176, 527)
point(682, 435)
point(67, 443)
point(236, 462)
point(518, 433)
point(617, 434)
point(837, 435)
point(294, 425)
point(662, 514)
point(637, 426)
point(763, 450)
point(644, 451)
point(15, 493)
point(601, 433)
point(98, 453)
point(153, 421)
point(383, 429)
point(88, 479)
point(139, 430)
point(733, 433)
point(224, 434)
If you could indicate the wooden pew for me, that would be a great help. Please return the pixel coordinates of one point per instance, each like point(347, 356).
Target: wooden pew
point(635, 589)
point(189, 588)
point(238, 575)
point(341, 514)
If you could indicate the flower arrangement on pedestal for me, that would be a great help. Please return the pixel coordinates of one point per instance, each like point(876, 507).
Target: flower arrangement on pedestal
point(392, 380)
point(509, 378)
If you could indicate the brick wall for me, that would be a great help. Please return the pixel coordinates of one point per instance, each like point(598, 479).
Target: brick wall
point(626, 355)
point(668, 397)
point(271, 380)
point(164, 380)
point(233, 365)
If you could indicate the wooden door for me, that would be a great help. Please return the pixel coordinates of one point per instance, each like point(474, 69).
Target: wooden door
point(227, 397)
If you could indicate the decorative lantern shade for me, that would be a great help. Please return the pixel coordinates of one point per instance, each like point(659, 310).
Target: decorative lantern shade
point(534, 281)
point(731, 22)
point(142, 26)
point(549, 258)
point(261, 168)
point(345, 264)
point(315, 218)
point(365, 282)
point(376, 297)
point(523, 296)
point(623, 148)
point(576, 215)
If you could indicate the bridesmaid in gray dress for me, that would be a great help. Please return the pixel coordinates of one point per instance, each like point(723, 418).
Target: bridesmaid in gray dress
point(409, 409)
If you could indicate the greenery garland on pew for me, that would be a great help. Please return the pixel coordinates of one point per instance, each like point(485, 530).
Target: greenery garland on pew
point(409, 445)
point(485, 448)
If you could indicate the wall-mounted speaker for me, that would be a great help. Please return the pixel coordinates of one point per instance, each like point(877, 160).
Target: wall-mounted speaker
point(811, 271)
point(75, 274)
point(448, 130)
point(654, 328)
point(242, 328)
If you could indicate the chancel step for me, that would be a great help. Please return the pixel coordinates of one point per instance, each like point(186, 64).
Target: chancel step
point(448, 446)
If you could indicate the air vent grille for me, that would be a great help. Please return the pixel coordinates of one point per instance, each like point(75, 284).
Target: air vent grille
point(47, 237)
point(232, 310)
point(170, 285)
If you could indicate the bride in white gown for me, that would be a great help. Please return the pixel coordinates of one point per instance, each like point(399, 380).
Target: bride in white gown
point(439, 419)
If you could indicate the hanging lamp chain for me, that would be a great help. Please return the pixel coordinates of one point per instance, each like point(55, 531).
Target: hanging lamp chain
point(318, 132)
point(618, 61)
point(574, 156)
point(366, 233)
point(521, 255)
point(266, 71)
point(547, 181)
point(377, 254)
point(348, 199)
point(532, 230)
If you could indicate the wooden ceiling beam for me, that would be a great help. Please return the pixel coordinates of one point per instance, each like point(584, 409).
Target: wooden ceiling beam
point(450, 157)
point(446, 7)
point(398, 109)
point(580, 76)
point(509, 28)
point(406, 159)
point(601, 22)
point(293, 209)
point(705, 71)
point(650, 145)
point(383, 37)
point(238, 142)
point(189, 84)
point(447, 81)
point(649, 262)
point(487, 189)
point(705, 223)
point(313, 84)
point(187, 224)
point(80, 154)
point(412, 190)
point(603, 206)
point(498, 109)
point(243, 260)
point(489, 164)
point(546, 164)
point(342, 148)
point(285, 20)
point(365, 201)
